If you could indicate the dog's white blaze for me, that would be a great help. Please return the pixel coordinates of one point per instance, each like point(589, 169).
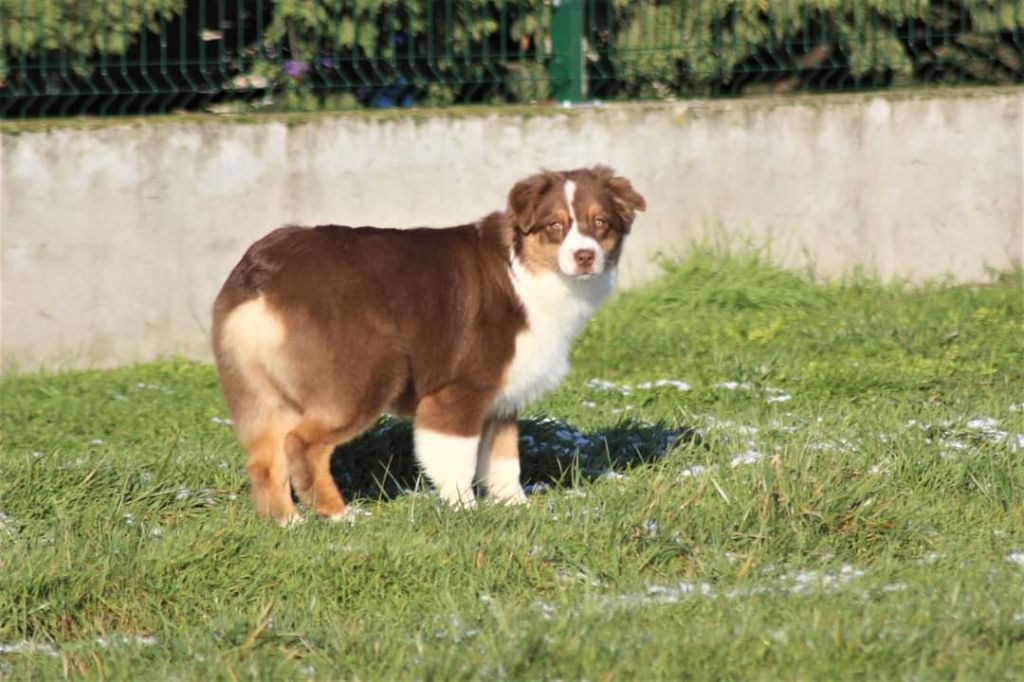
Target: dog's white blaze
point(576, 240)
point(570, 195)
point(501, 478)
point(557, 307)
point(449, 462)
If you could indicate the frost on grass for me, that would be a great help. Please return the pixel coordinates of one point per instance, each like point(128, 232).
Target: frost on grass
point(27, 646)
point(695, 470)
point(608, 386)
point(772, 394)
point(1016, 558)
point(733, 386)
point(118, 640)
point(985, 424)
point(800, 583)
point(142, 386)
point(577, 576)
point(742, 459)
point(748, 457)
point(965, 437)
point(730, 429)
point(604, 385)
point(672, 383)
point(776, 395)
point(739, 436)
point(8, 527)
point(987, 427)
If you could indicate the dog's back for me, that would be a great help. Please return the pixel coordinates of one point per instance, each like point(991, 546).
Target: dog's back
point(319, 330)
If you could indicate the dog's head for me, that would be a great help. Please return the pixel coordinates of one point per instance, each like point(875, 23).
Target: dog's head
point(572, 222)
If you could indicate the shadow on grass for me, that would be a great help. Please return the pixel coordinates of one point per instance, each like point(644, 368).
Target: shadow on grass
point(380, 463)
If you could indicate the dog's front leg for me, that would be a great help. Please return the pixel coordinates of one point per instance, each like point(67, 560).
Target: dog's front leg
point(497, 466)
point(446, 437)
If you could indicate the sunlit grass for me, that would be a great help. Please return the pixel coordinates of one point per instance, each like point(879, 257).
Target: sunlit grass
point(748, 475)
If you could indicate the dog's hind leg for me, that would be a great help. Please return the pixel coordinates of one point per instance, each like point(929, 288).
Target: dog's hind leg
point(247, 339)
point(262, 419)
point(263, 437)
point(309, 446)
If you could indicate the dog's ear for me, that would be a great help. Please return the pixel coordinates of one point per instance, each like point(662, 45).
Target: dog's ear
point(524, 199)
point(627, 200)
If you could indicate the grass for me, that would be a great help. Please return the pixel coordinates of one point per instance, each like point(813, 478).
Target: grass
point(837, 491)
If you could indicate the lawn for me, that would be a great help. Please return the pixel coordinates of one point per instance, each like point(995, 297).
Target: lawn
point(747, 475)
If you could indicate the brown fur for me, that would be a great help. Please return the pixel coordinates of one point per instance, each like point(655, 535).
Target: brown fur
point(317, 331)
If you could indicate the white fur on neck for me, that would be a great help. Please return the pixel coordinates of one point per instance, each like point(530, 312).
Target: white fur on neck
point(557, 308)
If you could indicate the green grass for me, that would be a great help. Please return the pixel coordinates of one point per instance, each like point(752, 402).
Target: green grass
point(851, 507)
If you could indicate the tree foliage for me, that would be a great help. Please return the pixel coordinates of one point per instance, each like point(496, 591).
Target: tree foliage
point(428, 51)
point(682, 46)
point(310, 53)
point(78, 29)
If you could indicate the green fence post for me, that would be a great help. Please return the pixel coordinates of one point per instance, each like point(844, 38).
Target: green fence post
point(566, 66)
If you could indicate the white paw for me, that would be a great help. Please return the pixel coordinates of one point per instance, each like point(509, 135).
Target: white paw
point(515, 496)
point(350, 515)
point(464, 501)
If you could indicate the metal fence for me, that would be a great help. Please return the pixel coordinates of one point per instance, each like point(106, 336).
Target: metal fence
point(67, 57)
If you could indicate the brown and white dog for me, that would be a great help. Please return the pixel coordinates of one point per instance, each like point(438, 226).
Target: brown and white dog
point(318, 331)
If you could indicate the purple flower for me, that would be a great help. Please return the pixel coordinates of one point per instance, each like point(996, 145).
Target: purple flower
point(296, 69)
point(327, 63)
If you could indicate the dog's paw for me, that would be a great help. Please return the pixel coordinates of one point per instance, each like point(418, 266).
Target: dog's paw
point(292, 520)
point(349, 515)
point(462, 502)
point(514, 497)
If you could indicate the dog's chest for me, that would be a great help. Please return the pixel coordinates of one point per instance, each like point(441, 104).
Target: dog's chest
point(557, 308)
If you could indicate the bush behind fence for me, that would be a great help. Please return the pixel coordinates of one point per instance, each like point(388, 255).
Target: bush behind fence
point(64, 57)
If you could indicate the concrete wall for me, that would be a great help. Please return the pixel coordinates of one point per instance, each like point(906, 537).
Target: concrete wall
point(116, 235)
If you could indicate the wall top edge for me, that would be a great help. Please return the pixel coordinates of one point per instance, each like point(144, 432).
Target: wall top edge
point(36, 126)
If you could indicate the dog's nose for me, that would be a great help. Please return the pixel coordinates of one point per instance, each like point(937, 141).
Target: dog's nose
point(584, 258)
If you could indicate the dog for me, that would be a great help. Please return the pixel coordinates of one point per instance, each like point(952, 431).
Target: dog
point(318, 331)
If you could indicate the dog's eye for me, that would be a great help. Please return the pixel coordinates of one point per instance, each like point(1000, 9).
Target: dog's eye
point(600, 222)
point(556, 227)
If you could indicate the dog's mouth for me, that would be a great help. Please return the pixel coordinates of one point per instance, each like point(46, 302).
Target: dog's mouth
point(582, 274)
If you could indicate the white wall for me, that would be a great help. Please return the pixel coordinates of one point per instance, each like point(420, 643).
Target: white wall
point(116, 236)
